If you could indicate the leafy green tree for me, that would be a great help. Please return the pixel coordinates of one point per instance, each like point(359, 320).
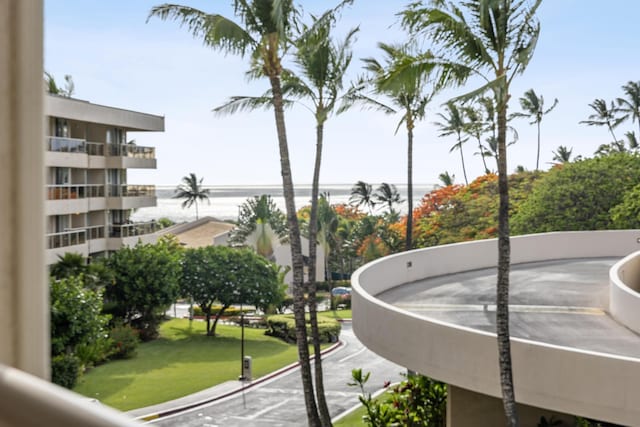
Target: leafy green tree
point(388, 195)
point(533, 108)
point(453, 124)
point(604, 115)
point(630, 106)
point(495, 40)
point(76, 320)
point(362, 195)
point(146, 279)
point(228, 276)
point(579, 196)
point(191, 191)
point(626, 215)
point(264, 33)
point(260, 222)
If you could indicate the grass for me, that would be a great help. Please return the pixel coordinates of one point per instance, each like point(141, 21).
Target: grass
point(353, 419)
point(182, 361)
point(337, 314)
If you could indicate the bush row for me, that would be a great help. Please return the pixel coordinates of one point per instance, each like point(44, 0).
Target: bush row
point(283, 326)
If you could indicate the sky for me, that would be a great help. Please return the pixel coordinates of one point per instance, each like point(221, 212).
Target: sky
point(586, 51)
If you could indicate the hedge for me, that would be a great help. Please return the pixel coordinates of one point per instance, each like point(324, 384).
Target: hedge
point(283, 326)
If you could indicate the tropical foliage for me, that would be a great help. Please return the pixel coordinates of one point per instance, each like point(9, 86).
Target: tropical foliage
point(223, 275)
point(146, 282)
point(191, 191)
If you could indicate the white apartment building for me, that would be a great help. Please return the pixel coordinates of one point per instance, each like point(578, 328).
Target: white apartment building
point(88, 197)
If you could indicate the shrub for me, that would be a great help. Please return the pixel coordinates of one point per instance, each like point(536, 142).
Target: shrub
point(578, 196)
point(94, 353)
point(125, 342)
point(416, 401)
point(65, 369)
point(283, 326)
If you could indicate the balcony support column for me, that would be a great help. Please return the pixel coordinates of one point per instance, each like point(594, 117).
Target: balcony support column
point(24, 310)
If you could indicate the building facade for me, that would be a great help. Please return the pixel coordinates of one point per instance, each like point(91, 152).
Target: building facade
point(89, 200)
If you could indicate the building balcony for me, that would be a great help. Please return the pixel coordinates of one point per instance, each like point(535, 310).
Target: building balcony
point(125, 156)
point(130, 196)
point(68, 199)
point(131, 234)
point(68, 241)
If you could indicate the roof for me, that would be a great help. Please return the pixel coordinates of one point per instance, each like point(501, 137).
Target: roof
point(200, 233)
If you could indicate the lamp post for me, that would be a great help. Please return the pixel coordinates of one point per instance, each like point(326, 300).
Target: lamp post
point(242, 377)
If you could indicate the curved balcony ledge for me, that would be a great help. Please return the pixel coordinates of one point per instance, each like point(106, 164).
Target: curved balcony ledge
point(563, 378)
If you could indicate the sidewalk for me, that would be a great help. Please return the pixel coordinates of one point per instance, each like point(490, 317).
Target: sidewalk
point(210, 394)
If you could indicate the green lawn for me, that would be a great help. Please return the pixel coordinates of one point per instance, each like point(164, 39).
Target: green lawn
point(182, 361)
point(338, 314)
point(352, 420)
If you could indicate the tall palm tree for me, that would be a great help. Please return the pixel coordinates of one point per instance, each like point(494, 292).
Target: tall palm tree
point(495, 39)
point(630, 107)
point(321, 66)
point(362, 195)
point(475, 127)
point(562, 154)
point(453, 124)
point(191, 191)
point(604, 115)
point(409, 94)
point(263, 33)
point(388, 194)
point(533, 106)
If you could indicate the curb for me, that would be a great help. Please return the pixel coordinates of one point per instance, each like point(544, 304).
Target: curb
point(177, 409)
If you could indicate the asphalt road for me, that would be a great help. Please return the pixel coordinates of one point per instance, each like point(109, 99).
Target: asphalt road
point(280, 402)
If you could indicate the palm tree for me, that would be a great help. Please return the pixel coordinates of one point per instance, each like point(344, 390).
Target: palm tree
point(259, 224)
point(362, 195)
point(533, 106)
point(630, 107)
point(446, 179)
point(454, 124)
point(409, 93)
point(495, 39)
point(191, 191)
point(52, 87)
point(263, 33)
point(632, 141)
point(604, 116)
point(475, 127)
point(322, 64)
point(387, 194)
point(562, 154)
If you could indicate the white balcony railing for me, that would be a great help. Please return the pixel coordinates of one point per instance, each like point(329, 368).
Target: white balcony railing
point(28, 401)
point(95, 148)
point(66, 238)
point(95, 232)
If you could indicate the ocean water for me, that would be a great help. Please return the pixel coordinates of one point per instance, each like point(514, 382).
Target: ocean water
point(225, 200)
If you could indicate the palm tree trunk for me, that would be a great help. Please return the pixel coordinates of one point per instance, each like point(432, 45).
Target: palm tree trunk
point(325, 417)
point(504, 260)
point(538, 155)
point(409, 236)
point(196, 202)
point(484, 162)
point(464, 169)
point(296, 255)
